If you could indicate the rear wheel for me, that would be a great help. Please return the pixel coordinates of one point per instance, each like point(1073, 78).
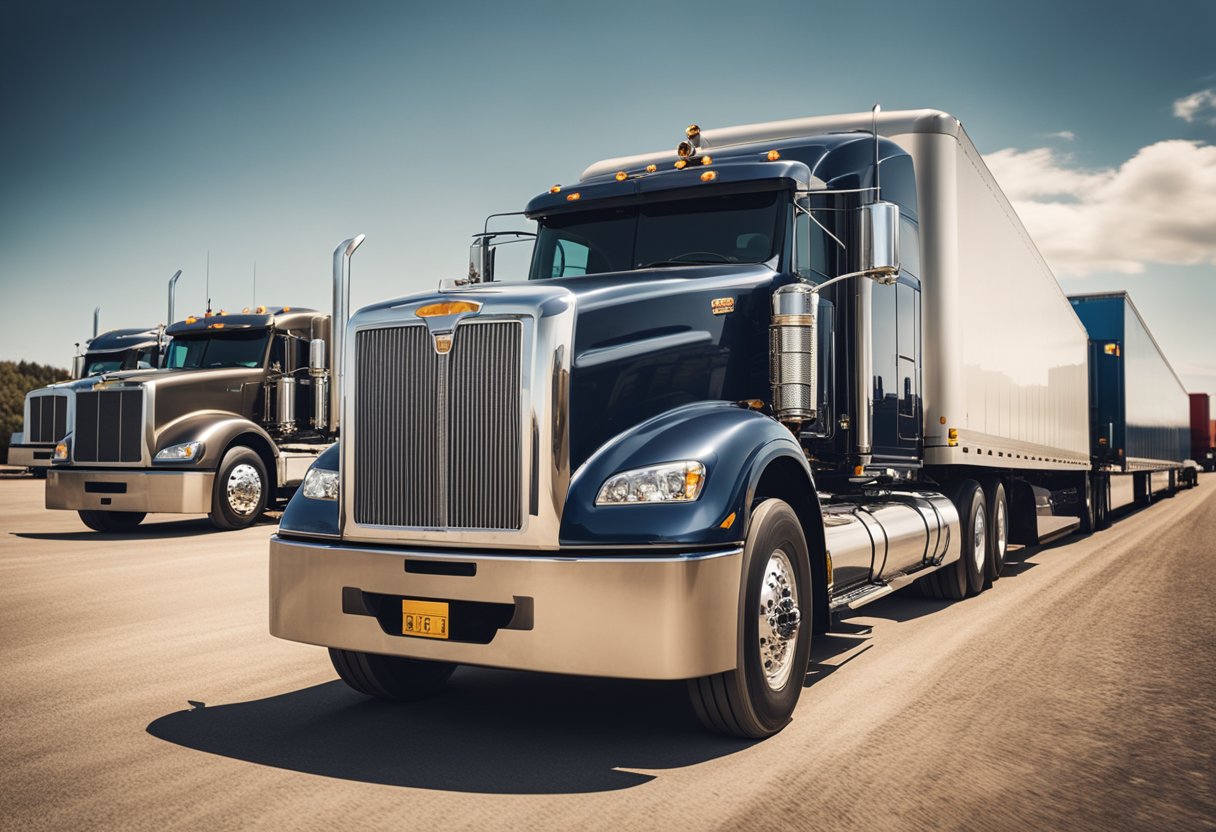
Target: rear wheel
point(998, 528)
point(775, 611)
point(112, 521)
point(966, 575)
point(390, 677)
point(1102, 502)
point(239, 494)
point(1089, 505)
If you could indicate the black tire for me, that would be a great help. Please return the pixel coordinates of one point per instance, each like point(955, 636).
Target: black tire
point(742, 702)
point(239, 508)
point(966, 577)
point(998, 528)
point(390, 677)
point(1088, 509)
point(1172, 488)
point(112, 521)
point(1102, 502)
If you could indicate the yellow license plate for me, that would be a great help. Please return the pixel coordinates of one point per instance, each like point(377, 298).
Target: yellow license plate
point(427, 619)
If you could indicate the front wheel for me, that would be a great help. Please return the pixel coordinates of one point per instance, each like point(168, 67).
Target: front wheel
point(238, 496)
point(390, 677)
point(776, 607)
point(112, 521)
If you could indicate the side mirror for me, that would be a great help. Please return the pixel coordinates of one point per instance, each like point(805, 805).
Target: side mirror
point(481, 259)
point(878, 241)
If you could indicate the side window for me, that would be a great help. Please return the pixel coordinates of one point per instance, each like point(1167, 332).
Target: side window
point(570, 259)
point(909, 246)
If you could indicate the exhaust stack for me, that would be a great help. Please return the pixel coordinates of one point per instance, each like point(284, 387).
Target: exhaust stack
point(96, 320)
point(337, 324)
point(172, 296)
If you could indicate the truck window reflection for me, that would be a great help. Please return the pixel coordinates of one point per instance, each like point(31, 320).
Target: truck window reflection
point(245, 349)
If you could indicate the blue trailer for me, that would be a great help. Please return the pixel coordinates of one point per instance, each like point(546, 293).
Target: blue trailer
point(1139, 409)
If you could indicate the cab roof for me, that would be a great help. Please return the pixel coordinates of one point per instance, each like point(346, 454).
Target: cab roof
point(264, 317)
point(121, 340)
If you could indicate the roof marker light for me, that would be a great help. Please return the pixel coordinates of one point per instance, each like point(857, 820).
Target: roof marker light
point(705, 160)
point(621, 176)
point(574, 197)
point(651, 168)
point(709, 176)
point(680, 163)
point(555, 189)
point(773, 156)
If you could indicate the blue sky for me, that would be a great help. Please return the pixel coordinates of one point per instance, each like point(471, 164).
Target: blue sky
point(138, 138)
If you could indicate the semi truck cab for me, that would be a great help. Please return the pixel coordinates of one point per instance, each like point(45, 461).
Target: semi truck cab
point(227, 426)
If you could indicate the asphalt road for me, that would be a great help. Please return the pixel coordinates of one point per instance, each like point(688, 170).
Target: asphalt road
point(139, 689)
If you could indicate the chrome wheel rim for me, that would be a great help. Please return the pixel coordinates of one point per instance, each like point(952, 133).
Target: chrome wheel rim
point(244, 489)
point(779, 620)
point(979, 533)
point(1002, 528)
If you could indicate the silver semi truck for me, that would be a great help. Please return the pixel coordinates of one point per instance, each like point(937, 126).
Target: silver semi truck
point(226, 427)
point(748, 384)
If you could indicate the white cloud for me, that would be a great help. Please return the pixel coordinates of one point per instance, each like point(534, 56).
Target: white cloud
point(1157, 207)
point(1189, 107)
point(1066, 135)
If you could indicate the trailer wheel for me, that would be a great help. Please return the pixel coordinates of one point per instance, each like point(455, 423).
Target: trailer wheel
point(1102, 502)
point(112, 521)
point(776, 613)
point(390, 677)
point(966, 575)
point(1089, 505)
point(238, 496)
point(998, 528)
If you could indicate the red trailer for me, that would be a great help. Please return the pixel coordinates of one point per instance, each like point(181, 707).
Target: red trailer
point(1203, 431)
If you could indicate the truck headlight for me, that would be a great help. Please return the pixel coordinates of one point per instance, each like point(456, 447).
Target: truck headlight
point(671, 482)
point(63, 450)
point(320, 484)
point(184, 452)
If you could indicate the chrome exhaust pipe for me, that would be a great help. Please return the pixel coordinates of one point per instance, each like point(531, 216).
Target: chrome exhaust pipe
point(96, 320)
point(337, 324)
point(172, 296)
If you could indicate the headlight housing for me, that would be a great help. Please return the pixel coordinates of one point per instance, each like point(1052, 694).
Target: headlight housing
point(669, 482)
point(63, 450)
point(320, 484)
point(184, 452)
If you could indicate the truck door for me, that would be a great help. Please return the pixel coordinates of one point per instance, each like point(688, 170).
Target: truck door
point(896, 380)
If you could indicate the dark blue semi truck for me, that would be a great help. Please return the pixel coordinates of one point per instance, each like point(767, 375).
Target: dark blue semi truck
point(1139, 409)
point(743, 387)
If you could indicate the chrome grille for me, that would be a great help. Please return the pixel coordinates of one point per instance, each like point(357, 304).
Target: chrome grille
point(438, 436)
point(109, 425)
point(48, 420)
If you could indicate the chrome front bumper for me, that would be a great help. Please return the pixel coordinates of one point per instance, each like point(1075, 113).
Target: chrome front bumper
point(131, 489)
point(670, 617)
point(30, 456)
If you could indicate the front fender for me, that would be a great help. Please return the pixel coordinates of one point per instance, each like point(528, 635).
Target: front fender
point(313, 518)
point(735, 445)
point(215, 429)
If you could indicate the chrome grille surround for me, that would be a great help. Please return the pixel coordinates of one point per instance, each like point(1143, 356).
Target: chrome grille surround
point(48, 415)
point(110, 426)
point(454, 431)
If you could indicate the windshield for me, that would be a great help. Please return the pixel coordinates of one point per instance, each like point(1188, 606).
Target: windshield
point(740, 228)
point(244, 349)
point(108, 362)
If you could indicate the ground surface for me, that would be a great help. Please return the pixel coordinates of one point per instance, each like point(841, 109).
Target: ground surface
point(139, 689)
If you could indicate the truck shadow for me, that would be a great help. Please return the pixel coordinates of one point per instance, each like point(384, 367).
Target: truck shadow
point(145, 531)
point(496, 732)
point(492, 731)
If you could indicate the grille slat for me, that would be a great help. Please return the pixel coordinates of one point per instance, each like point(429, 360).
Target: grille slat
point(437, 436)
point(109, 426)
point(48, 420)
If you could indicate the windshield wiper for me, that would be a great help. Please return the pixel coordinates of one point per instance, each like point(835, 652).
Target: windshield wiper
point(658, 264)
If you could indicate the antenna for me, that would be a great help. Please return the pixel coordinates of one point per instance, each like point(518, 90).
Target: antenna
point(877, 186)
point(255, 284)
point(208, 281)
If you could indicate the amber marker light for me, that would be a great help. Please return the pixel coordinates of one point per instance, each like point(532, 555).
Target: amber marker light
point(621, 176)
point(261, 310)
point(709, 176)
point(191, 320)
point(217, 325)
point(706, 160)
point(680, 163)
point(651, 168)
point(574, 197)
point(728, 522)
point(451, 307)
point(952, 437)
point(556, 189)
point(773, 156)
